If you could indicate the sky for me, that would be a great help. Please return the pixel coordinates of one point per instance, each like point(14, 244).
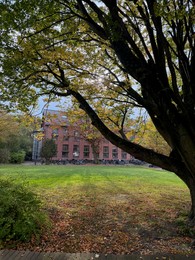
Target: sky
point(42, 104)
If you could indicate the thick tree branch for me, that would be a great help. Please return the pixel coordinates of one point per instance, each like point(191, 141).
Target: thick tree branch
point(96, 27)
point(132, 148)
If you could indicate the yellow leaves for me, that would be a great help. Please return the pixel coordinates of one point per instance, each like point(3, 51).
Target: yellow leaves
point(7, 126)
point(82, 123)
point(11, 124)
point(28, 122)
point(139, 2)
point(149, 137)
point(39, 136)
point(170, 10)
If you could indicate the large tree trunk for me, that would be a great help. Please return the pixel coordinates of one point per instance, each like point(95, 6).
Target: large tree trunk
point(187, 178)
point(191, 187)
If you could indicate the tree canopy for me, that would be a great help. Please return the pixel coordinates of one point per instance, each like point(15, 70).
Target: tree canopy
point(16, 137)
point(48, 150)
point(108, 54)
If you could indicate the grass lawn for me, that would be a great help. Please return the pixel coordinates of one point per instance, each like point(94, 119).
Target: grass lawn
point(108, 209)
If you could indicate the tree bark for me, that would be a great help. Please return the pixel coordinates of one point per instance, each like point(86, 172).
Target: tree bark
point(191, 187)
point(95, 150)
point(187, 177)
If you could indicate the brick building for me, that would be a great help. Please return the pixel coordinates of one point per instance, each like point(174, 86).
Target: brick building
point(71, 146)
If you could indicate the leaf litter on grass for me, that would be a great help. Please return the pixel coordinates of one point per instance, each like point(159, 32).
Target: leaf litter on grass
point(117, 215)
point(113, 223)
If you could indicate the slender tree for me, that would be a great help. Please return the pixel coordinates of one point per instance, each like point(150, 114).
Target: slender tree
point(139, 52)
point(48, 150)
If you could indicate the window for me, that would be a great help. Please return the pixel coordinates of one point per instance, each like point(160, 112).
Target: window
point(105, 152)
point(123, 155)
point(114, 153)
point(65, 150)
point(86, 151)
point(76, 136)
point(75, 151)
point(65, 133)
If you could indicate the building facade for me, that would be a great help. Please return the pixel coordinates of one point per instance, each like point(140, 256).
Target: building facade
point(71, 146)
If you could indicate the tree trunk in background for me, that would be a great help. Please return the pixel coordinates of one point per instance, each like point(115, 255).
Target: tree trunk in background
point(95, 150)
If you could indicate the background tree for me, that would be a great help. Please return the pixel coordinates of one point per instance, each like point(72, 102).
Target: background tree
point(6, 129)
point(16, 137)
point(148, 136)
point(48, 150)
point(140, 53)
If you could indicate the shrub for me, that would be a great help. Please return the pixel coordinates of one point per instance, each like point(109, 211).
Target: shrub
point(20, 212)
point(17, 157)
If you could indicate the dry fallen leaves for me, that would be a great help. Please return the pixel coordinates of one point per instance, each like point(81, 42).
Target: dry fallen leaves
point(120, 227)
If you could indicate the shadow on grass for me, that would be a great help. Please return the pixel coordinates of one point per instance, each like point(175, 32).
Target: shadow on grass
point(112, 213)
point(111, 220)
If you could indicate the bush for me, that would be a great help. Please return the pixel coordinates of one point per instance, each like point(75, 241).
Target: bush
point(20, 212)
point(17, 157)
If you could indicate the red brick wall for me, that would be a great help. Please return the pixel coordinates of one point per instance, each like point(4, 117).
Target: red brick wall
point(50, 132)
